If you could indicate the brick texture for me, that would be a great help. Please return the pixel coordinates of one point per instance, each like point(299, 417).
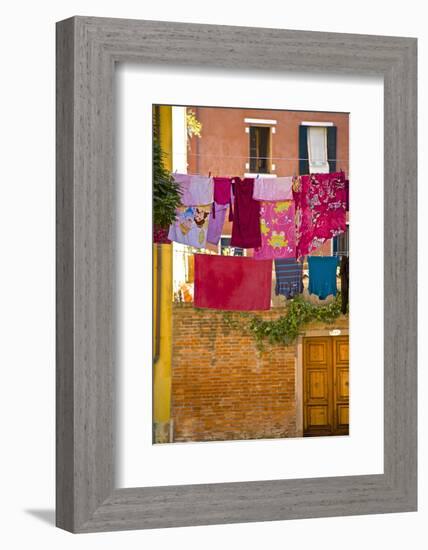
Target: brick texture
point(223, 387)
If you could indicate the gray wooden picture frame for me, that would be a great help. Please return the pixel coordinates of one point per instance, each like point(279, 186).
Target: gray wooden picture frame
point(87, 50)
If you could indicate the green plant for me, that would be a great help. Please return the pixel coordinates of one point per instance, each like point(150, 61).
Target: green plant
point(166, 192)
point(194, 127)
point(286, 328)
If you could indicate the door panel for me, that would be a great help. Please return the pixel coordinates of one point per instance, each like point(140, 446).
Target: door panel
point(342, 383)
point(343, 416)
point(317, 416)
point(326, 386)
point(317, 412)
point(317, 384)
point(317, 352)
point(342, 350)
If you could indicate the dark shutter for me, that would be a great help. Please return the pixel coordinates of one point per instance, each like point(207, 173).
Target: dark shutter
point(335, 245)
point(303, 150)
point(331, 147)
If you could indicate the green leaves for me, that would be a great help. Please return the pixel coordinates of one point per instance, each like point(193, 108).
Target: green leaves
point(194, 127)
point(286, 328)
point(166, 192)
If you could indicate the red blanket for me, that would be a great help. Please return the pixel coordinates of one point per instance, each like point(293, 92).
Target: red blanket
point(232, 282)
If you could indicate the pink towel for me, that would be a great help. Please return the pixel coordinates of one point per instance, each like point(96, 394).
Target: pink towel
point(278, 231)
point(273, 189)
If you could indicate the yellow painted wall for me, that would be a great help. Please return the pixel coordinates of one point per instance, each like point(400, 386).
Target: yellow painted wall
point(162, 261)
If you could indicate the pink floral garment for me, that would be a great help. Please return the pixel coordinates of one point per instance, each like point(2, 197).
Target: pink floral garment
point(277, 229)
point(321, 201)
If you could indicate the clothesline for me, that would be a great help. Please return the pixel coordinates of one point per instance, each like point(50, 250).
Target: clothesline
point(252, 157)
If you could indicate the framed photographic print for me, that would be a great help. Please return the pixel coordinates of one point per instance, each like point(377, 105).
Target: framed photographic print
point(228, 348)
point(266, 243)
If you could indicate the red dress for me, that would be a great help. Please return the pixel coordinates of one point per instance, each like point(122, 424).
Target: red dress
point(246, 217)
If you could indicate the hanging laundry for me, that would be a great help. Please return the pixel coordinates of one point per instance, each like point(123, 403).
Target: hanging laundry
point(195, 189)
point(246, 218)
point(222, 196)
point(273, 189)
point(322, 275)
point(344, 283)
point(320, 209)
point(222, 190)
point(232, 282)
point(347, 194)
point(288, 273)
point(216, 222)
point(191, 226)
point(277, 229)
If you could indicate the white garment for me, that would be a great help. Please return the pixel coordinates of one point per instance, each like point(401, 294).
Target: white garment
point(195, 189)
point(273, 189)
point(317, 150)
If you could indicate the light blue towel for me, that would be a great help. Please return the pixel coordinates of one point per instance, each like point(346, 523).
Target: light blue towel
point(322, 275)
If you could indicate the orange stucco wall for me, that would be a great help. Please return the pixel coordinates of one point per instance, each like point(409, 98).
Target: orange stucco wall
point(223, 148)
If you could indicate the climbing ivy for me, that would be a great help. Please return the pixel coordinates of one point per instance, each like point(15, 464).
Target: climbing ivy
point(286, 328)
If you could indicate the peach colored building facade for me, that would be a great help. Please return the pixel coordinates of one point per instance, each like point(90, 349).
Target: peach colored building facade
point(224, 146)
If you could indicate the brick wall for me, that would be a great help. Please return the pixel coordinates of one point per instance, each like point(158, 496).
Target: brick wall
point(223, 387)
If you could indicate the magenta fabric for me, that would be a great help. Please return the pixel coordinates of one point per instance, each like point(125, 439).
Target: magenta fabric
point(232, 283)
point(246, 217)
point(222, 196)
point(273, 189)
point(321, 201)
point(215, 225)
point(222, 190)
point(347, 194)
point(277, 229)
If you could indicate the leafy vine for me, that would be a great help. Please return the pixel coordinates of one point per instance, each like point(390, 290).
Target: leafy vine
point(286, 328)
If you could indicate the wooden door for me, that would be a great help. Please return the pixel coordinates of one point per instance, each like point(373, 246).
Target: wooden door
point(326, 386)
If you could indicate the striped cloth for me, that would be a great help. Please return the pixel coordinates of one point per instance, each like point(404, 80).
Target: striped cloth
point(288, 274)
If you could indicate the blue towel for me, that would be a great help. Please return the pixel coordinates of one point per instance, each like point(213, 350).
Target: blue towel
point(322, 275)
point(288, 274)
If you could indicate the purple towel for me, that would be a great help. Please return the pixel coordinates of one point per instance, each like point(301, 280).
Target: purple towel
point(215, 225)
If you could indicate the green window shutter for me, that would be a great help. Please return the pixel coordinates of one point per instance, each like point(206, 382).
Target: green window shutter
point(303, 150)
point(331, 147)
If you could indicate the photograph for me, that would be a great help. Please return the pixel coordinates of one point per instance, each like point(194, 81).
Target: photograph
point(251, 241)
point(185, 364)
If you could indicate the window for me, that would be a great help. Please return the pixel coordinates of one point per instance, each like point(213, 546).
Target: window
point(260, 149)
point(317, 150)
point(317, 147)
point(341, 244)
